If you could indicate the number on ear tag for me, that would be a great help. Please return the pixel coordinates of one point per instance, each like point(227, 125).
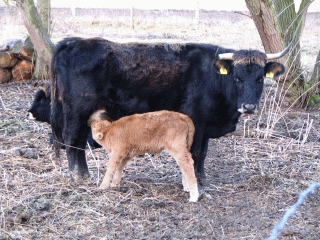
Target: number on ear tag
point(223, 71)
point(270, 75)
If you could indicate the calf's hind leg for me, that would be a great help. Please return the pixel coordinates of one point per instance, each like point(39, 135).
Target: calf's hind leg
point(185, 162)
point(112, 166)
point(117, 175)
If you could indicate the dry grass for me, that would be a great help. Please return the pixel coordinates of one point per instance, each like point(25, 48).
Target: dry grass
point(254, 174)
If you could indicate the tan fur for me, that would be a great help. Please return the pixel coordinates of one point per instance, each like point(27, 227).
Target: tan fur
point(253, 57)
point(146, 133)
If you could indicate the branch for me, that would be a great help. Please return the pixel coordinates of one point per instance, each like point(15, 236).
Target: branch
point(241, 13)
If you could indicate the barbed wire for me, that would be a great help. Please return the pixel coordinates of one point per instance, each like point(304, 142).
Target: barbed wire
point(279, 227)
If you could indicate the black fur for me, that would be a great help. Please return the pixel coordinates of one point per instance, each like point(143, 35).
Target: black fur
point(41, 109)
point(88, 74)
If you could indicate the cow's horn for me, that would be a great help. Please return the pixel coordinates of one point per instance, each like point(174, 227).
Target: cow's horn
point(271, 56)
point(226, 56)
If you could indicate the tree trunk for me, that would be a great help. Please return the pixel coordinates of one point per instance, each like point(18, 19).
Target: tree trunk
point(315, 77)
point(38, 35)
point(278, 24)
point(44, 8)
point(132, 16)
point(263, 18)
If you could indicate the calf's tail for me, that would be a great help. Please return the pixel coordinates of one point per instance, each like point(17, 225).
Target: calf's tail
point(191, 130)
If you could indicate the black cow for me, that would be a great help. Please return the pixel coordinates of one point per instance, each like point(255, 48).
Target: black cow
point(211, 84)
point(40, 111)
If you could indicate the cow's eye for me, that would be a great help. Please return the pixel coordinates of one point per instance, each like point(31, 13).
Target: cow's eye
point(260, 80)
point(238, 80)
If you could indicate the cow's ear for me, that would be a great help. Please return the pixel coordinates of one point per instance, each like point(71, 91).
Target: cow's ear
point(223, 67)
point(273, 69)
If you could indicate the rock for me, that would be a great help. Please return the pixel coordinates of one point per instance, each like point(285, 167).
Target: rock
point(30, 154)
point(7, 46)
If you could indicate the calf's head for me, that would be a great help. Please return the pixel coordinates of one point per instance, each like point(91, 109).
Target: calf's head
point(40, 108)
point(248, 69)
point(98, 123)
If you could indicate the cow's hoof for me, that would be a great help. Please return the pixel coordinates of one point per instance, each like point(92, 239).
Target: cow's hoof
point(79, 176)
point(202, 181)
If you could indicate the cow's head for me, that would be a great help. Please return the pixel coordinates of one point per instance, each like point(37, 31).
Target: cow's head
point(40, 109)
point(248, 69)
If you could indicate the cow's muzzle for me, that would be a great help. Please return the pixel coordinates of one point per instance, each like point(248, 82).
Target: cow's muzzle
point(248, 108)
point(30, 116)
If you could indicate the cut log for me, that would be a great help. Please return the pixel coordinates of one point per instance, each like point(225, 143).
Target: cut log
point(23, 50)
point(5, 75)
point(22, 70)
point(7, 59)
point(26, 53)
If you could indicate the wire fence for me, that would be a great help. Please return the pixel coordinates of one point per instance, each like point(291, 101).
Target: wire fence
point(280, 225)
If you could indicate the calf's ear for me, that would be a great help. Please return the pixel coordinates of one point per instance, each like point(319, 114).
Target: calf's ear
point(98, 136)
point(273, 69)
point(223, 67)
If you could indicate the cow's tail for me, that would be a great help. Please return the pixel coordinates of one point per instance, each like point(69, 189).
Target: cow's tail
point(57, 121)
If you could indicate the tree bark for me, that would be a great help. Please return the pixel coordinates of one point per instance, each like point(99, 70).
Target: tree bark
point(263, 18)
point(132, 16)
point(315, 77)
point(278, 24)
point(44, 8)
point(38, 35)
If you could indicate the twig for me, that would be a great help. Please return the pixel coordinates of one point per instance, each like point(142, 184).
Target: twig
point(98, 174)
point(4, 107)
point(8, 234)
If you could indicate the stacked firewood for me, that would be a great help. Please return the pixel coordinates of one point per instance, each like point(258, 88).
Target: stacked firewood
point(16, 61)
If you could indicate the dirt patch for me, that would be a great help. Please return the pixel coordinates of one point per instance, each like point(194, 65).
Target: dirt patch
point(254, 176)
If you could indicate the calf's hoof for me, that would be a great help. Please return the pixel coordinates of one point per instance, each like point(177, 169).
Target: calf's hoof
point(104, 186)
point(194, 198)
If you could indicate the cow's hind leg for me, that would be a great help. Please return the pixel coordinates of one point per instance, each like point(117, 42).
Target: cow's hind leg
point(199, 153)
point(75, 141)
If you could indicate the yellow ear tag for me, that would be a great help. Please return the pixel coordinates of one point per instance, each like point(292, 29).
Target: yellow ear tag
point(270, 75)
point(223, 71)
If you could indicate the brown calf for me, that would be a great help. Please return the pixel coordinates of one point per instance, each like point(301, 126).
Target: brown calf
point(150, 132)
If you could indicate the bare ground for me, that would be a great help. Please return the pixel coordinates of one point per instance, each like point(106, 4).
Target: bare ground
point(254, 175)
